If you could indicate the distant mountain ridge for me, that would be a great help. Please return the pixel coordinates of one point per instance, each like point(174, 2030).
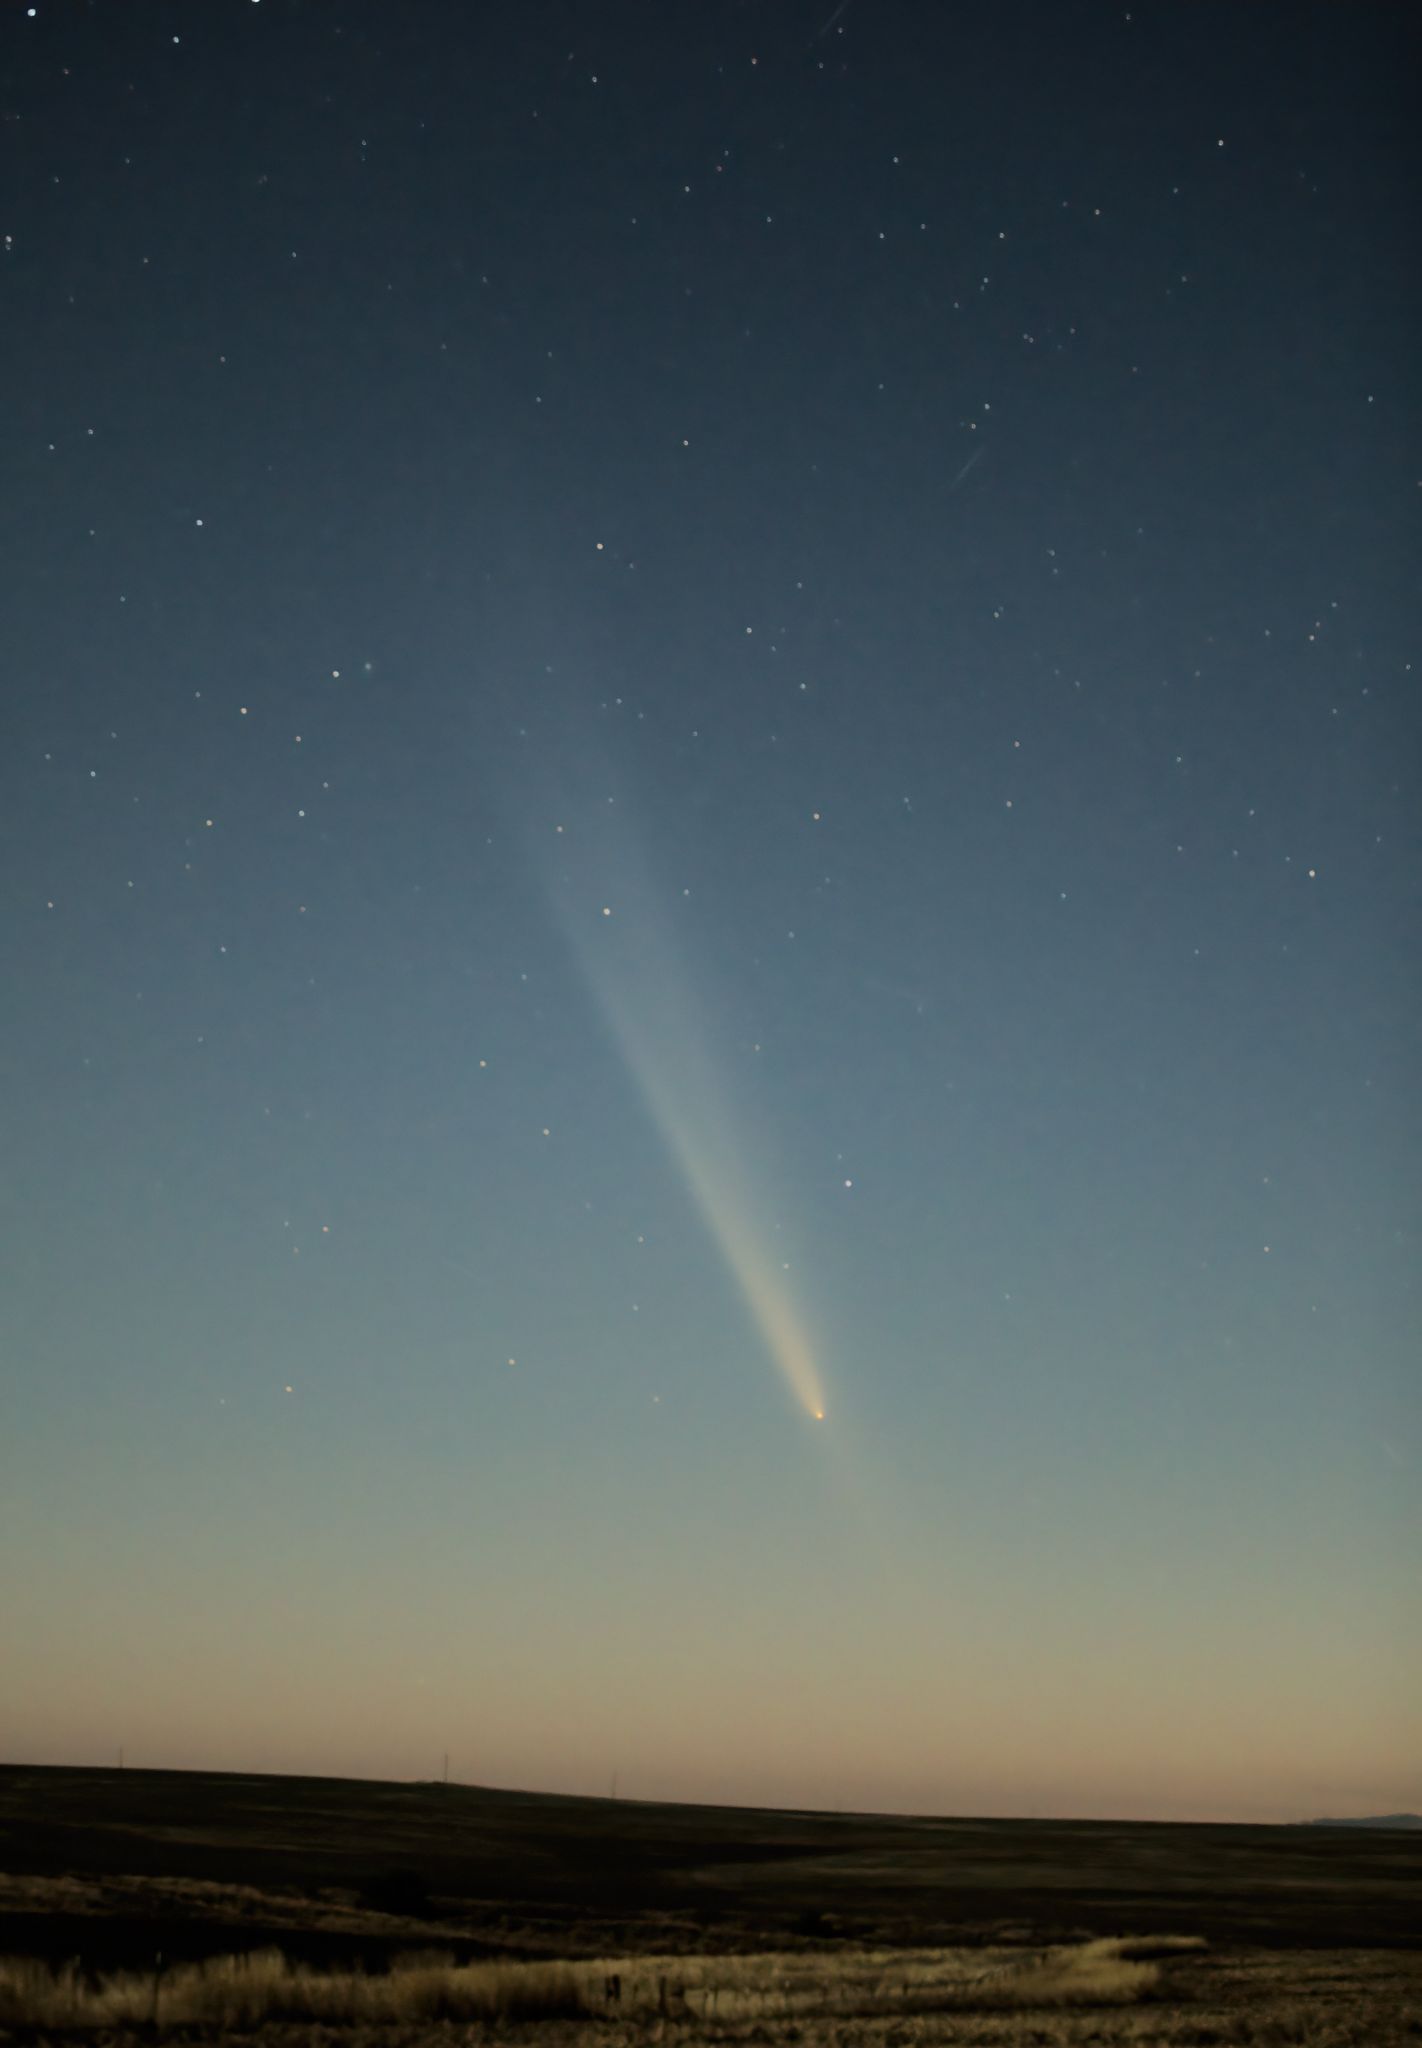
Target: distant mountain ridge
point(1374, 1820)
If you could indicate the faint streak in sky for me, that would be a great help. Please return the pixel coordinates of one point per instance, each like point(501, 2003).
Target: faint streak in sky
point(977, 452)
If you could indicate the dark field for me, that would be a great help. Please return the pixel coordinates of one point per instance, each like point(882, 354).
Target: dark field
point(113, 1868)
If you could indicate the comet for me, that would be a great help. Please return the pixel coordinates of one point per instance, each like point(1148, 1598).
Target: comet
point(692, 1109)
point(625, 946)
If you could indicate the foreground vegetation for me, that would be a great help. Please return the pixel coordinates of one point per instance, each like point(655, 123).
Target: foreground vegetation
point(243, 1992)
point(1166, 1991)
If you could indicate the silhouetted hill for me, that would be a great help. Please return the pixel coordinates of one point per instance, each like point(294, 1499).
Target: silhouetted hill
point(109, 1865)
point(1373, 1820)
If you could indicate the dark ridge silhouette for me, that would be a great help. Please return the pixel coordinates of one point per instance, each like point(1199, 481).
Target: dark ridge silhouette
point(1374, 1820)
point(109, 1865)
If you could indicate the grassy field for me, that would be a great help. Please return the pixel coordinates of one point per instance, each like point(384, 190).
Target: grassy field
point(216, 1908)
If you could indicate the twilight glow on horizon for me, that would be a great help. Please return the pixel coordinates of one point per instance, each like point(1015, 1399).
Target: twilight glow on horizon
point(710, 878)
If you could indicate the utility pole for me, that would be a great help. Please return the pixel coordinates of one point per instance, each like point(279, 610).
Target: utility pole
point(446, 1767)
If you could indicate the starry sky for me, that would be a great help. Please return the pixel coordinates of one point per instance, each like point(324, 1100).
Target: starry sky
point(709, 871)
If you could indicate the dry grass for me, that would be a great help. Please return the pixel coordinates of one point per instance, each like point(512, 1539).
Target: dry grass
point(245, 1992)
point(1150, 1992)
point(904, 1981)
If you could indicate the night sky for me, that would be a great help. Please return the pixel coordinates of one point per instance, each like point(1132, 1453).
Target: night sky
point(708, 798)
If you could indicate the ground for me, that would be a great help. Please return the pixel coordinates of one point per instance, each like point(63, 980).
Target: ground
point(211, 1907)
